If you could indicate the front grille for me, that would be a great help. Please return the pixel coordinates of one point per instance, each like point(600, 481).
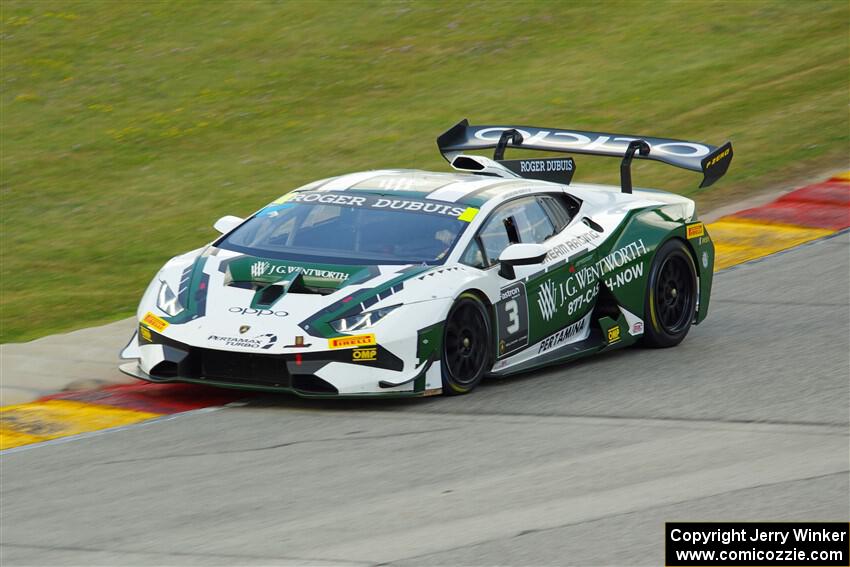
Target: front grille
point(240, 368)
point(183, 361)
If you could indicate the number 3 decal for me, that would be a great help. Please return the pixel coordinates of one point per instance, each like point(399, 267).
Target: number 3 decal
point(512, 311)
point(512, 319)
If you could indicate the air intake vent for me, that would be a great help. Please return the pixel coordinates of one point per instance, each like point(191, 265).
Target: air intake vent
point(467, 163)
point(309, 384)
point(165, 369)
point(270, 294)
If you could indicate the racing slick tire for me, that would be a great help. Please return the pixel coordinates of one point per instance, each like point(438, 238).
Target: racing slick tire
point(466, 345)
point(671, 296)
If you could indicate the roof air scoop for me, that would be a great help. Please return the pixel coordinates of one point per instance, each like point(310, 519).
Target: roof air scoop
point(555, 170)
point(482, 166)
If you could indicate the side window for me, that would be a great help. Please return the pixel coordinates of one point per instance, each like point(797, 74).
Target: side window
point(532, 223)
point(494, 236)
point(537, 226)
point(560, 208)
point(474, 256)
point(556, 212)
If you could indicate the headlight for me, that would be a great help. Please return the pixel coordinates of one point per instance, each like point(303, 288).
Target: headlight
point(361, 320)
point(167, 300)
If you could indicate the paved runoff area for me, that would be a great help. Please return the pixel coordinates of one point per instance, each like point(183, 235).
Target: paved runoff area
point(582, 464)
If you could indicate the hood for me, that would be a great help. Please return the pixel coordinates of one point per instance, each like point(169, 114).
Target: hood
point(304, 277)
point(223, 290)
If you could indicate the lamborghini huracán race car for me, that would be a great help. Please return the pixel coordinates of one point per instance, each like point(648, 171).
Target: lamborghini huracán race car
point(410, 283)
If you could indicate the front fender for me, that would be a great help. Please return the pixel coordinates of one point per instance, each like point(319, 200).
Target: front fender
point(171, 273)
point(448, 282)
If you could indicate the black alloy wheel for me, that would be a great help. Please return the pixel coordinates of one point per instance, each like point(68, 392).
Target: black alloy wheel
point(671, 295)
point(466, 345)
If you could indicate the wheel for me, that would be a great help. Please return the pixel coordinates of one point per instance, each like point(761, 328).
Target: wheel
point(466, 345)
point(671, 296)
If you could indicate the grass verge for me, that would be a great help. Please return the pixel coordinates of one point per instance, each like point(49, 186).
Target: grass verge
point(128, 128)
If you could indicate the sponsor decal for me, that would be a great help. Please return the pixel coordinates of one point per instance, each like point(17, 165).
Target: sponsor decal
point(582, 285)
point(145, 333)
point(411, 205)
point(602, 143)
point(564, 336)
point(546, 299)
point(512, 319)
point(696, 230)
point(544, 165)
point(156, 323)
point(364, 355)
point(705, 259)
point(571, 245)
point(584, 299)
point(299, 343)
point(613, 334)
point(468, 214)
point(718, 157)
point(511, 292)
point(627, 276)
point(352, 341)
point(257, 312)
point(421, 206)
point(262, 342)
point(622, 256)
point(259, 269)
point(637, 328)
point(327, 199)
point(559, 170)
point(244, 329)
point(263, 268)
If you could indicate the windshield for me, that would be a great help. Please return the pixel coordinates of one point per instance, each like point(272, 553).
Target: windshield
point(360, 229)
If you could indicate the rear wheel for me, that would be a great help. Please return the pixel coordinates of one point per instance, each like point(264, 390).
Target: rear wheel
point(671, 296)
point(466, 345)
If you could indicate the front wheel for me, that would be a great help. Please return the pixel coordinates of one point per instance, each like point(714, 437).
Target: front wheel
point(671, 296)
point(466, 345)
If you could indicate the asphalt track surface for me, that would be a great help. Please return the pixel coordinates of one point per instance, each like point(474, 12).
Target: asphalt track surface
point(582, 464)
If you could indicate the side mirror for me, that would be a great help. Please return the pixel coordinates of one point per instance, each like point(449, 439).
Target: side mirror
point(227, 223)
point(520, 255)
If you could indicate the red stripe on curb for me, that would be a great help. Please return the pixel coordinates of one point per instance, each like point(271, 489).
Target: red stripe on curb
point(155, 398)
point(822, 205)
point(830, 193)
point(800, 214)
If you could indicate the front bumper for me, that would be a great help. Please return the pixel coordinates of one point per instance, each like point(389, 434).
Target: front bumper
point(309, 374)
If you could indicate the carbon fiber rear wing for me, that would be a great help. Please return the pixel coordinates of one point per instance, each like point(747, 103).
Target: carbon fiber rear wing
point(711, 161)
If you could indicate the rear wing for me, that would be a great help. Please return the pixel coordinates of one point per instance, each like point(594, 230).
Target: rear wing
point(711, 161)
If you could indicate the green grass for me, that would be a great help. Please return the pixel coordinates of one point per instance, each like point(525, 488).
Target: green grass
point(129, 127)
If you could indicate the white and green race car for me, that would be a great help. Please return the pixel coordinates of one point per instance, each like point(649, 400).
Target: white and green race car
point(413, 283)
